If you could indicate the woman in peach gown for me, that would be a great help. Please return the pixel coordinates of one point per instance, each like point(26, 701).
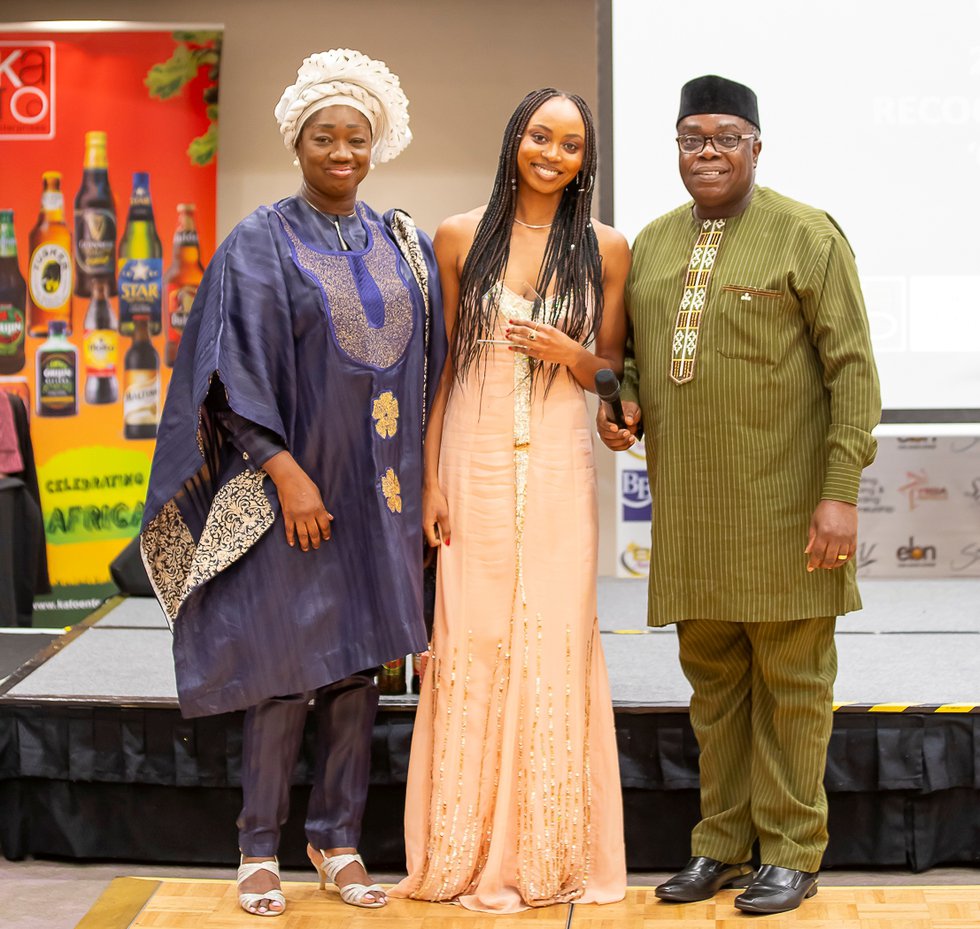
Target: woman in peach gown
point(513, 795)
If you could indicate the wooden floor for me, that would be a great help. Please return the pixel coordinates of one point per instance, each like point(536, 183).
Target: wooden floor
point(141, 903)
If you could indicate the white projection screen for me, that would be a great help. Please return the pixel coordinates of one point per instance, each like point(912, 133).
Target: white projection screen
point(870, 110)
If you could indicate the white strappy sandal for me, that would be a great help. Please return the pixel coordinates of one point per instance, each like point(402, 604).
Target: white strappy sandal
point(248, 900)
point(354, 894)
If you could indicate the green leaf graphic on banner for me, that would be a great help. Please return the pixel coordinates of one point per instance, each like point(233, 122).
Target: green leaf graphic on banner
point(165, 80)
point(194, 51)
point(202, 149)
point(93, 494)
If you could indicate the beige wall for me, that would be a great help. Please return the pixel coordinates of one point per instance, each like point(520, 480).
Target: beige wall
point(464, 66)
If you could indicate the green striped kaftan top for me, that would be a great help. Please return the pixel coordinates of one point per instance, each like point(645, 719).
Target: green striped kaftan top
point(777, 415)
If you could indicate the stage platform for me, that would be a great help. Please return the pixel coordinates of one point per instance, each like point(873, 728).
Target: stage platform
point(90, 733)
point(141, 903)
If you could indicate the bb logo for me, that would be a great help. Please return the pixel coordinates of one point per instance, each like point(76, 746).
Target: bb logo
point(634, 486)
point(27, 90)
point(914, 555)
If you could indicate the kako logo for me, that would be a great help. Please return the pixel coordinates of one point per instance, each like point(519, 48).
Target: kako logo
point(918, 490)
point(27, 90)
point(914, 555)
point(634, 486)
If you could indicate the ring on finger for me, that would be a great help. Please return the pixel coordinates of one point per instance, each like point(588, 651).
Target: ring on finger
point(842, 557)
point(532, 335)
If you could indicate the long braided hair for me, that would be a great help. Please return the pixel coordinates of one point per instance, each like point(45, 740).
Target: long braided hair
point(571, 258)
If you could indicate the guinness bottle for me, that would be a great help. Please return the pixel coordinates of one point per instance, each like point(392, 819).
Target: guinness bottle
point(101, 347)
point(140, 262)
point(141, 396)
point(95, 220)
point(50, 270)
point(13, 299)
point(182, 279)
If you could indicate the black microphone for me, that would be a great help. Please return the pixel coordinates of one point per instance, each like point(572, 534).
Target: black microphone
point(607, 387)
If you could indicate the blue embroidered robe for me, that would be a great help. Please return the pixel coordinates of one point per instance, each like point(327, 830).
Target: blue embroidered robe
point(333, 352)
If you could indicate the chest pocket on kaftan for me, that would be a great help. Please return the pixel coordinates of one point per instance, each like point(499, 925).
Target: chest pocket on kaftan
point(755, 323)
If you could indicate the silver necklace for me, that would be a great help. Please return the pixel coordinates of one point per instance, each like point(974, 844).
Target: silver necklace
point(344, 247)
point(521, 222)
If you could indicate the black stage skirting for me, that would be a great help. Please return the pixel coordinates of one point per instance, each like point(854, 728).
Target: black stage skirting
point(143, 784)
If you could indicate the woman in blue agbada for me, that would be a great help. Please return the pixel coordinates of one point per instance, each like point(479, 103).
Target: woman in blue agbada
point(283, 527)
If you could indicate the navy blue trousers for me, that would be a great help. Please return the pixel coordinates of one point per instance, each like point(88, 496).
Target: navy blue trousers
point(272, 734)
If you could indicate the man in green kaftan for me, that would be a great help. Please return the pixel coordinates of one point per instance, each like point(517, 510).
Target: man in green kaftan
point(753, 380)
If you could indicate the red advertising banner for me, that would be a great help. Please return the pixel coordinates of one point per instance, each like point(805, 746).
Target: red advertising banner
point(107, 216)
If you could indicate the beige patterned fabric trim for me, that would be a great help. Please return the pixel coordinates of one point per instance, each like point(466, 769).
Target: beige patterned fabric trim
point(167, 548)
point(240, 514)
point(684, 346)
point(407, 238)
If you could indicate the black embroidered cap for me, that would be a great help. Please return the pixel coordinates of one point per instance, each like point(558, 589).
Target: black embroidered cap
point(713, 94)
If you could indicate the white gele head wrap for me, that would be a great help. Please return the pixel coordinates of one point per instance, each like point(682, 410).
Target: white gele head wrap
point(345, 77)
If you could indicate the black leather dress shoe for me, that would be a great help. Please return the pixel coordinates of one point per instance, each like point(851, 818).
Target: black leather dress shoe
point(777, 890)
point(702, 878)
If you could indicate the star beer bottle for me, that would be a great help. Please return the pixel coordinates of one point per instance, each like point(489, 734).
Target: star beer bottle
point(140, 262)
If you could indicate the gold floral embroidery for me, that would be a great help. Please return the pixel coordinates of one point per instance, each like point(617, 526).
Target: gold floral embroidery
point(392, 490)
point(385, 414)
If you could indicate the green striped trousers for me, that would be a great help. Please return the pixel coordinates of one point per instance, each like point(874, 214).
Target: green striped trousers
point(762, 711)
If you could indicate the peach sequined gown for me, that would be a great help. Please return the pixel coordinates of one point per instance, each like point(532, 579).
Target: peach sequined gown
point(513, 796)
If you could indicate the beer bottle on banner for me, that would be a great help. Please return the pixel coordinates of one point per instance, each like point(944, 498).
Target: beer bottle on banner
point(13, 299)
point(140, 262)
point(141, 395)
point(100, 347)
point(49, 275)
point(95, 220)
point(182, 279)
point(391, 677)
point(56, 373)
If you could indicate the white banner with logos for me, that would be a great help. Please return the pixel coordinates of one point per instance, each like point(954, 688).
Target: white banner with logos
point(919, 510)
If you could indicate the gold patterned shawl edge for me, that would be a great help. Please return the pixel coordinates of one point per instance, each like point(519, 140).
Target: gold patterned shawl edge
point(176, 565)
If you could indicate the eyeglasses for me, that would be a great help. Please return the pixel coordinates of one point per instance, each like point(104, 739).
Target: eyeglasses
point(722, 142)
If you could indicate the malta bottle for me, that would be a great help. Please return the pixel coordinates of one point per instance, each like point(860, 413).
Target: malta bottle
point(95, 220)
point(140, 262)
point(141, 395)
point(100, 347)
point(56, 373)
point(182, 280)
point(13, 299)
point(49, 276)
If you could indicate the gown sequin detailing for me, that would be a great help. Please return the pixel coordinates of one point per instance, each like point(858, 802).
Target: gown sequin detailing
point(513, 795)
